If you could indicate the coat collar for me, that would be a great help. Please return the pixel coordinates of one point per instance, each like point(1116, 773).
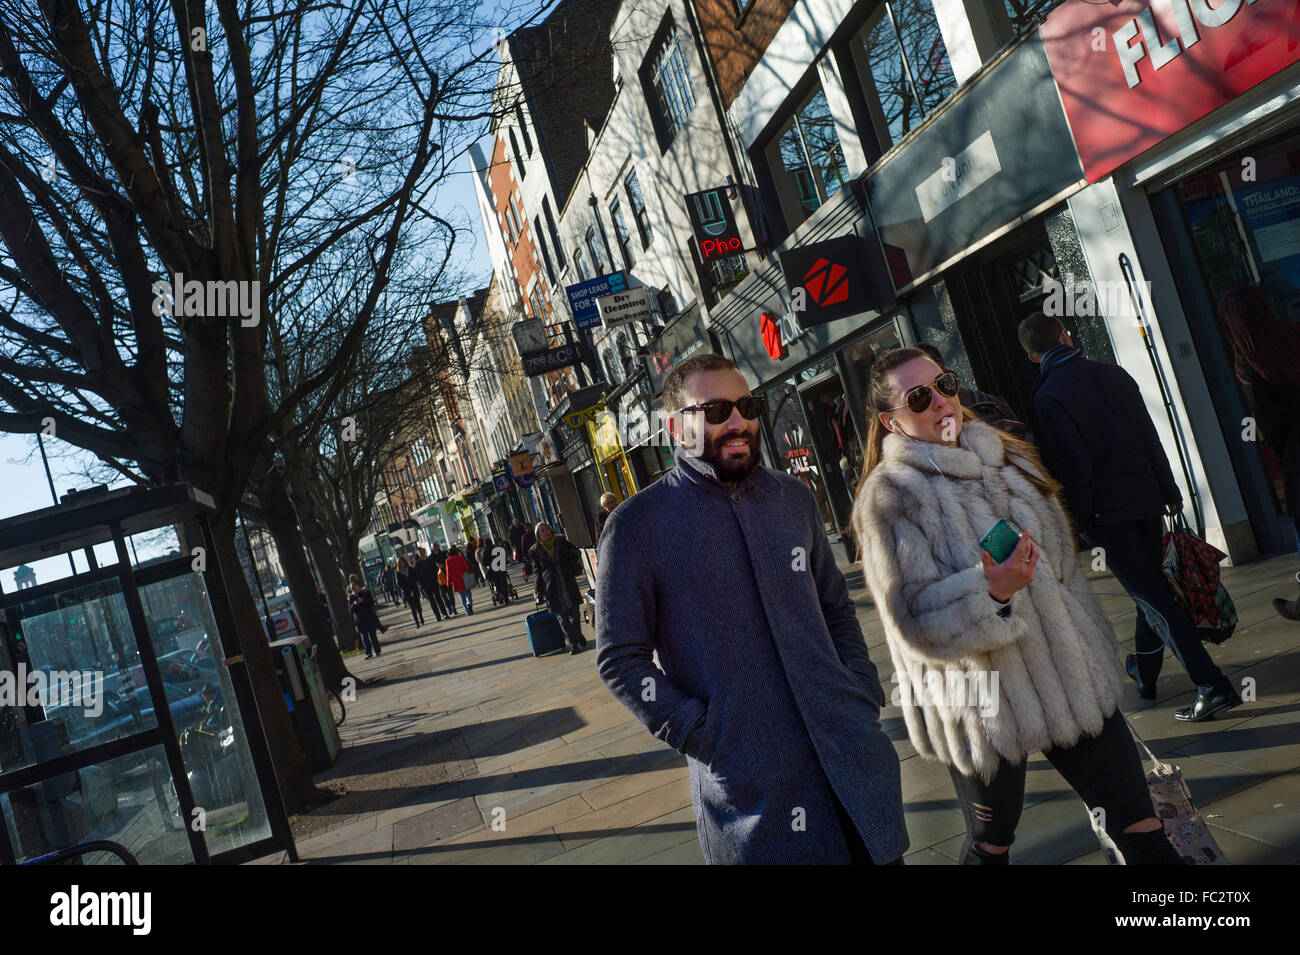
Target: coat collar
point(701, 474)
point(978, 446)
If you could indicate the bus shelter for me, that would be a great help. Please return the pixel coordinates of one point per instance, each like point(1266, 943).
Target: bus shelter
point(126, 716)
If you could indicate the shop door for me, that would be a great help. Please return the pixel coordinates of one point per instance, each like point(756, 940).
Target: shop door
point(792, 442)
point(991, 298)
point(1240, 231)
point(830, 422)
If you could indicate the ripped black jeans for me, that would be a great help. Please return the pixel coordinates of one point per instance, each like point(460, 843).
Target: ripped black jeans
point(1105, 770)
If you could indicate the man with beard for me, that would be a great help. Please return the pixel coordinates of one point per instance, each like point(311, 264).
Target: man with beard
point(723, 569)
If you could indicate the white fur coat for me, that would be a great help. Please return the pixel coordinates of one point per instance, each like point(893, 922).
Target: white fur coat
point(974, 685)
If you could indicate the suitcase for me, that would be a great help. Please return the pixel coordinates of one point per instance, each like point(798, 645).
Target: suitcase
point(544, 634)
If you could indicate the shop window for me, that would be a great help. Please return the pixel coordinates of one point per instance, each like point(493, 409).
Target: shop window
point(667, 84)
point(907, 73)
point(637, 199)
point(807, 160)
point(1025, 15)
point(794, 445)
point(621, 233)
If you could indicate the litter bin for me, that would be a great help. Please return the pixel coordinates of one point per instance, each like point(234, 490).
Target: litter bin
point(295, 661)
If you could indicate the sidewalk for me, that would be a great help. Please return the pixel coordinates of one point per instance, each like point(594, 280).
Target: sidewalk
point(464, 748)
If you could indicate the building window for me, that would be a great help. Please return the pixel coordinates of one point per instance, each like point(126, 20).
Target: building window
point(668, 84)
point(523, 127)
point(728, 271)
point(580, 263)
point(593, 246)
point(536, 299)
point(807, 160)
point(555, 235)
point(639, 213)
point(621, 234)
point(908, 63)
point(1025, 14)
point(519, 159)
point(541, 243)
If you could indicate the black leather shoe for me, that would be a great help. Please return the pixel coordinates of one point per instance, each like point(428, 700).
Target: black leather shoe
point(1131, 666)
point(1207, 704)
point(574, 651)
point(1289, 609)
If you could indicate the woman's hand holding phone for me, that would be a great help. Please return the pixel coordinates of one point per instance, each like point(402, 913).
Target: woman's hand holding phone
point(1014, 573)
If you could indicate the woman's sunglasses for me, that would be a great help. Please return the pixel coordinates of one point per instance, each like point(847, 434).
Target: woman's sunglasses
point(919, 398)
point(719, 410)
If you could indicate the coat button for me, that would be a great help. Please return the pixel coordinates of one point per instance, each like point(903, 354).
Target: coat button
point(735, 497)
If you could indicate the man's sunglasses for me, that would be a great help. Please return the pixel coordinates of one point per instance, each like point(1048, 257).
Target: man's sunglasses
point(919, 398)
point(719, 410)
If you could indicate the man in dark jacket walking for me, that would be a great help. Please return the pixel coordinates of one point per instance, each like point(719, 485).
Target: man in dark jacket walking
point(558, 562)
point(722, 567)
point(1100, 444)
point(426, 574)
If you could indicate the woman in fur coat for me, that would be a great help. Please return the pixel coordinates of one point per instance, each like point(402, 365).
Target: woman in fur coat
point(994, 660)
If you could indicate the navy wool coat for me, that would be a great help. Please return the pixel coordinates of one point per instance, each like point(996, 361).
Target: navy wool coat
point(766, 685)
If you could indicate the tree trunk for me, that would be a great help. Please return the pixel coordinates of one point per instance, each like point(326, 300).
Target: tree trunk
point(291, 770)
point(344, 627)
point(282, 521)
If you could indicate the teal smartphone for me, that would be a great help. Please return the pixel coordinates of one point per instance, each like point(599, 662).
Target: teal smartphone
point(1001, 541)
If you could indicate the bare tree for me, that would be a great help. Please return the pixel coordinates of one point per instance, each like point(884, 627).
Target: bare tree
point(165, 179)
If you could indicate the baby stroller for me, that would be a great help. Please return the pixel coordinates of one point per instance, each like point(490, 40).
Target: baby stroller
point(503, 591)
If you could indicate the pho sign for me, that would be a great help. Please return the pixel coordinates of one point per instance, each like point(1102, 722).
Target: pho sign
point(714, 224)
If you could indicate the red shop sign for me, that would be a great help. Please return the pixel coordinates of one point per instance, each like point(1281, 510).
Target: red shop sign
point(1133, 73)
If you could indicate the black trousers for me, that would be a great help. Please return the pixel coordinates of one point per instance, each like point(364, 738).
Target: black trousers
point(434, 594)
point(413, 601)
point(1105, 770)
point(1133, 553)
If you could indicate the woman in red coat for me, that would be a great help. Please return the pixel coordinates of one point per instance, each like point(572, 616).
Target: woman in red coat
point(457, 568)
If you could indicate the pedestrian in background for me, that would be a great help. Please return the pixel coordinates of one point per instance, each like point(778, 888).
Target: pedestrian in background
point(526, 541)
point(1101, 445)
point(410, 589)
point(558, 562)
point(456, 569)
point(608, 501)
point(516, 536)
point(362, 604)
point(723, 569)
point(1266, 359)
point(426, 574)
point(470, 550)
point(439, 580)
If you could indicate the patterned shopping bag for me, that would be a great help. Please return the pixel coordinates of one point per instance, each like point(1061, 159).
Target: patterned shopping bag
point(1184, 827)
point(1191, 568)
